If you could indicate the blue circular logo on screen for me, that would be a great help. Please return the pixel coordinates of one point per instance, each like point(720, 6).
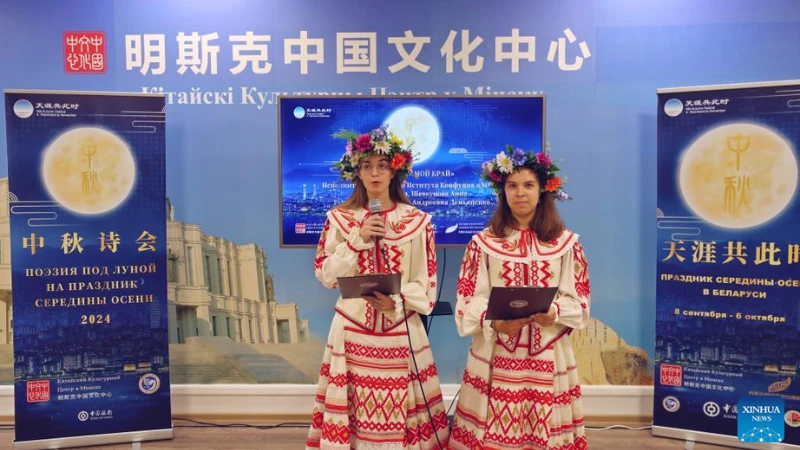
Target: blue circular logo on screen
point(673, 107)
point(149, 383)
point(23, 109)
point(299, 112)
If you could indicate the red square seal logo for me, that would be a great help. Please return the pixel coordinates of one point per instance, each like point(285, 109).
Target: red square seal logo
point(38, 391)
point(300, 228)
point(671, 375)
point(85, 52)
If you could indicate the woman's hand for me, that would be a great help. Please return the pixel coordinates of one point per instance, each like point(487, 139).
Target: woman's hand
point(380, 301)
point(374, 226)
point(546, 319)
point(510, 327)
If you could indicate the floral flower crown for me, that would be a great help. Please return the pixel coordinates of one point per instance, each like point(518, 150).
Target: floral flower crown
point(377, 142)
point(506, 162)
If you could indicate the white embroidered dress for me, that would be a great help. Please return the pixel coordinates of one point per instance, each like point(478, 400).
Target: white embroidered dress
point(521, 391)
point(368, 396)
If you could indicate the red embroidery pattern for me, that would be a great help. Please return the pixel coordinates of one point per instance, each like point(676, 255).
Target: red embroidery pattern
point(505, 275)
point(431, 247)
point(579, 444)
point(331, 432)
point(338, 380)
point(425, 374)
point(469, 272)
point(323, 237)
point(524, 365)
point(366, 261)
point(566, 398)
point(477, 382)
point(408, 218)
point(537, 338)
point(372, 383)
point(325, 370)
point(345, 219)
point(359, 350)
point(464, 438)
point(395, 255)
point(519, 410)
point(582, 286)
point(532, 271)
point(365, 404)
point(546, 274)
point(424, 432)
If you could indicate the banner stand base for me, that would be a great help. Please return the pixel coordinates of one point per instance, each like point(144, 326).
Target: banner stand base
point(95, 439)
point(718, 439)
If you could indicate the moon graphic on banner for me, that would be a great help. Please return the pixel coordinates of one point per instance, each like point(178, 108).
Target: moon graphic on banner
point(738, 175)
point(88, 170)
point(417, 126)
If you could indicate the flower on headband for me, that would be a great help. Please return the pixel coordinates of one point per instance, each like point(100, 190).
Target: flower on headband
point(496, 170)
point(377, 142)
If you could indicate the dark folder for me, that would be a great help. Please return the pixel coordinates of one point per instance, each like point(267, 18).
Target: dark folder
point(360, 285)
point(509, 303)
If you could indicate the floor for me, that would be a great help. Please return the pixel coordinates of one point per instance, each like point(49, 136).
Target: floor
point(190, 435)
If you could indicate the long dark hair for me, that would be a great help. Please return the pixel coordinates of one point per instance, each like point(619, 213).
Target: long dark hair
point(546, 222)
point(359, 198)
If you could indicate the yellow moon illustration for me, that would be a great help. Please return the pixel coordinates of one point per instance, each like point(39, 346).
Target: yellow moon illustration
point(88, 170)
point(738, 175)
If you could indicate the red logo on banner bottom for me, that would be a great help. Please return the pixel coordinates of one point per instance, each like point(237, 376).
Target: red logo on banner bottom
point(300, 228)
point(38, 391)
point(85, 52)
point(671, 375)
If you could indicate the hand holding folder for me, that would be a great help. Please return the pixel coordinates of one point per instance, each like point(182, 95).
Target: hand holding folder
point(519, 302)
point(365, 285)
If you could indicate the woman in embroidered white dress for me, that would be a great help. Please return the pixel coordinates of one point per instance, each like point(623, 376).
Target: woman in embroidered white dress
point(520, 389)
point(369, 395)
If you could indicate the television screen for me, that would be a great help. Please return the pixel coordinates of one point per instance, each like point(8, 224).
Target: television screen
point(451, 136)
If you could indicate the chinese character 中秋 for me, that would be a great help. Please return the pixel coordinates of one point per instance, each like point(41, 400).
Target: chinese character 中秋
point(251, 49)
point(355, 52)
point(33, 242)
point(146, 242)
point(70, 242)
point(738, 144)
point(516, 54)
point(560, 47)
point(740, 184)
point(303, 56)
point(467, 47)
point(89, 181)
point(409, 59)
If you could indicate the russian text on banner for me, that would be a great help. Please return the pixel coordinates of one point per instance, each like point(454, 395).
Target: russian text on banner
point(87, 207)
point(727, 322)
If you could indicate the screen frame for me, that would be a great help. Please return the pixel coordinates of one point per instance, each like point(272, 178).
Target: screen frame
point(281, 243)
